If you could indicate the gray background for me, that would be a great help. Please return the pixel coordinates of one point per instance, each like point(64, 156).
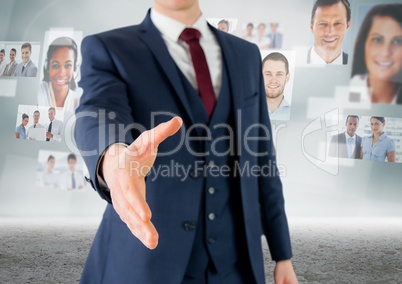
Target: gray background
point(357, 189)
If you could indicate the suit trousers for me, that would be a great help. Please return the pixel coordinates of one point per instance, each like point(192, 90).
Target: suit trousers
point(239, 273)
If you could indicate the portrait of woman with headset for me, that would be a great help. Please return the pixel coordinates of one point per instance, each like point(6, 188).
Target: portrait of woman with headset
point(58, 87)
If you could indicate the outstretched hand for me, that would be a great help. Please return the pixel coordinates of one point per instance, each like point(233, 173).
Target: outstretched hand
point(124, 170)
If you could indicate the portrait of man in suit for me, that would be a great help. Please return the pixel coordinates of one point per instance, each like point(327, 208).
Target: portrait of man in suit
point(72, 179)
point(26, 68)
point(12, 65)
point(202, 220)
point(36, 125)
point(275, 36)
point(55, 126)
point(347, 144)
point(330, 20)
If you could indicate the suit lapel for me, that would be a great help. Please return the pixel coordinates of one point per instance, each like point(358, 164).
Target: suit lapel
point(233, 74)
point(152, 38)
point(344, 58)
point(26, 68)
point(357, 147)
point(342, 145)
point(309, 56)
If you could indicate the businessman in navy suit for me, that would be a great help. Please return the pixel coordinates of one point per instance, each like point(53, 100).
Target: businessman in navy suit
point(347, 144)
point(188, 210)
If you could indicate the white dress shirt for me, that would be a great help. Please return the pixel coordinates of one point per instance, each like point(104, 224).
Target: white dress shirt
point(282, 112)
point(57, 129)
point(67, 183)
point(35, 126)
point(261, 43)
point(353, 144)
point(316, 59)
point(171, 29)
point(50, 179)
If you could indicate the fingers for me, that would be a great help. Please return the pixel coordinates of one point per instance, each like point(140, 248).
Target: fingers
point(155, 136)
point(165, 130)
point(130, 205)
point(135, 196)
point(146, 233)
point(127, 187)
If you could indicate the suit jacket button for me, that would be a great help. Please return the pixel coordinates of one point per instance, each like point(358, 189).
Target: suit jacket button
point(189, 226)
point(211, 190)
point(211, 164)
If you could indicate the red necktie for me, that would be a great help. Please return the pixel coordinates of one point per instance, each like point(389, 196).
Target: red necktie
point(204, 82)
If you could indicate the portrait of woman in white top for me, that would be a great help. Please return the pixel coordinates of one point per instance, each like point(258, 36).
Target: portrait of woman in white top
point(261, 39)
point(377, 62)
point(49, 177)
point(58, 87)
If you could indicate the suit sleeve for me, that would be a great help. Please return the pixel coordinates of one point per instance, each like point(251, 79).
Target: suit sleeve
point(14, 71)
point(333, 146)
point(274, 221)
point(32, 71)
point(104, 115)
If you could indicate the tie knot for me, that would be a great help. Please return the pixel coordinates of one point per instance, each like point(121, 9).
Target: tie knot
point(190, 34)
point(350, 139)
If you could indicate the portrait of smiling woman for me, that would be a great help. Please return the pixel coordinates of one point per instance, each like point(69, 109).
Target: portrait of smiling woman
point(58, 87)
point(378, 146)
point(377, 62)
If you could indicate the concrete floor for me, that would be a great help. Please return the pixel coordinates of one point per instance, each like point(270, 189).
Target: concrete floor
point(325, 250)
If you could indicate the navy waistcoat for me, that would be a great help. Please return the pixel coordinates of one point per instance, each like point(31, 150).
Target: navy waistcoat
point(220, 239)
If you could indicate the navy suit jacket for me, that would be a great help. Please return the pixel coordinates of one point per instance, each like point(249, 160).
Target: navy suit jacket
point(338, 148)
point(128, 74)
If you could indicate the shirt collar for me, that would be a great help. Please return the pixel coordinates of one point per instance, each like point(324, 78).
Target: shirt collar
point(395, 98)
point(172, 28)
point(381, 137)
point(347, 136)
point(316, 59)
point(284, 104)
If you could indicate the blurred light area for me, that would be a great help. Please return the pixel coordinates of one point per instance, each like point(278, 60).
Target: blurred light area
point(358, 189)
